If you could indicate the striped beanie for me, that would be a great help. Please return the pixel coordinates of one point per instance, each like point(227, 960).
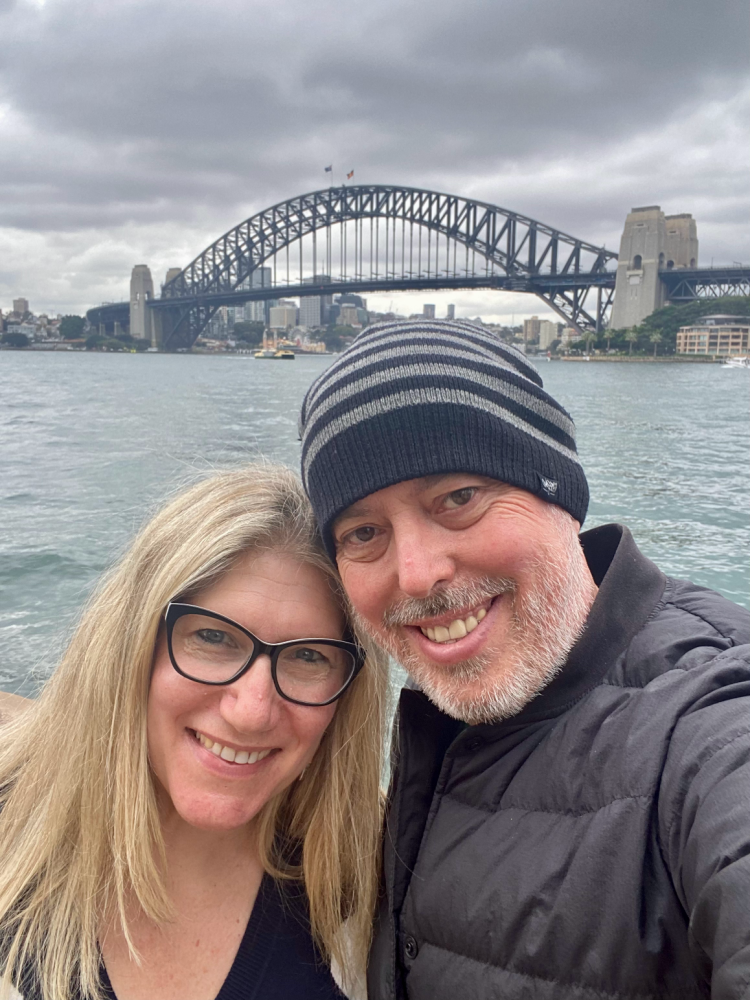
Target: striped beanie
point(419, 398)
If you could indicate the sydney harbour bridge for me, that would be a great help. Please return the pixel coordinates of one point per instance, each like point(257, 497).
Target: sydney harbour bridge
point(378, 238)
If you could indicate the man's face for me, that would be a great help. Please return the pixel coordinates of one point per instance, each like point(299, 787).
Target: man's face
point(480, 589)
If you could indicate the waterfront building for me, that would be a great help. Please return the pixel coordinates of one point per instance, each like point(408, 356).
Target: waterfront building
point(548, 331)
point(568, 335)
point(283, 316)
point(428, 310)
point(451, 314)
point(719, 335)
point(651, 241)
point(21, 306)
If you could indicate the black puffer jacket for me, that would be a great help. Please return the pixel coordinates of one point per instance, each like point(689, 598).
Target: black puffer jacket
point(597, 845)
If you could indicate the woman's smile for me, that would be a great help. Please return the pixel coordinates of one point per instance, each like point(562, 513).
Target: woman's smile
point(232, 754)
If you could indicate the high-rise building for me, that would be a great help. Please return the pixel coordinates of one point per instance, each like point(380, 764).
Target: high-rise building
point(310, 311)
point(451, 314)
point(651, 242)
point(283, 316)
point(21, 306)
point(141, 290)
point(349, 314)
point(548, 331)
point(428, 310)
point(531, 329)
point(257, 311)
point(315, 310)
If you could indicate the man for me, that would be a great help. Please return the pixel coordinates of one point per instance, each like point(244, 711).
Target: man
point(569, 814)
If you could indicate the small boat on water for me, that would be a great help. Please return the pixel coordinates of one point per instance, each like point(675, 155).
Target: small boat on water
point(736, 363)
point(280, 355)
point(272, 351)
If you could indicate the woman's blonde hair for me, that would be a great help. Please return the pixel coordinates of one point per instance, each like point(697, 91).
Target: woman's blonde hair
point(80, 837)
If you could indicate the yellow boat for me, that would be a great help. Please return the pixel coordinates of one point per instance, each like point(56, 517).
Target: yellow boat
point(284, 355)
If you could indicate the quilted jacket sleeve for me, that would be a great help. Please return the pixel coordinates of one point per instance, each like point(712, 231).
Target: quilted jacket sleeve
point(704, 823)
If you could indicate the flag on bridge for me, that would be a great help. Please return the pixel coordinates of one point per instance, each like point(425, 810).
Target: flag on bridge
point(329, 169)
point(350, 175)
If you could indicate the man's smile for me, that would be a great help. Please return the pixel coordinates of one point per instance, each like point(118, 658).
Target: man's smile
point(444, 649)
point(448, 629)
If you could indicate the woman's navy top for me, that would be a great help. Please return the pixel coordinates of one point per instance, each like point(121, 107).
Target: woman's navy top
point(277, 958)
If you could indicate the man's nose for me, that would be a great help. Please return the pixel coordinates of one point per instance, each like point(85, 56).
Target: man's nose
point(252, 704)
point(423, 558)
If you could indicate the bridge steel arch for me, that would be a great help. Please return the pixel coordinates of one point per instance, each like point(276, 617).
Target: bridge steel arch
point(516, 253)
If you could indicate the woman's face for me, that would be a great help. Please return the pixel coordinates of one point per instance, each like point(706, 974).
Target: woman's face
point(277, 598)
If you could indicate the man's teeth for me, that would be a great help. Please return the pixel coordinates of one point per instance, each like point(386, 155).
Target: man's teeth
point(456, 630)
point(227, 753)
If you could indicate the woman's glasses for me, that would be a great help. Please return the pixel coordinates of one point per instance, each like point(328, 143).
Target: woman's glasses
point(208, 648)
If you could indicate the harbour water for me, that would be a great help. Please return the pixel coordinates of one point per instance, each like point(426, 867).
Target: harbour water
point(90, 443)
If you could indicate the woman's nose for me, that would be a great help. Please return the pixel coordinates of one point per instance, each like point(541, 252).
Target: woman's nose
point(252, 702)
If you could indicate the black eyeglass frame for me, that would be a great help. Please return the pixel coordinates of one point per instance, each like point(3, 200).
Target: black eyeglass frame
point(176, 610)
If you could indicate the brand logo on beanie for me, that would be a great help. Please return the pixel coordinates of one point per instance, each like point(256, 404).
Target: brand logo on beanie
point(549, 486)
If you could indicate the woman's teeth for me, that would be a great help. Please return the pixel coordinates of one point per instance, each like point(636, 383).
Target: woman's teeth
point(227, 753)
point(456, 630)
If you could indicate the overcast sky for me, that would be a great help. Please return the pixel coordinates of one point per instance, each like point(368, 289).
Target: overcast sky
point(137, 132)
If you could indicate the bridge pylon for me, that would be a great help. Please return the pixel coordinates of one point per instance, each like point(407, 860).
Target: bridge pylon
point(651, 243)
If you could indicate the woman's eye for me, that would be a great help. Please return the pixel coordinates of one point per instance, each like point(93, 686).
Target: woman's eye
point(308, 655)
point(212, 636)
point(459, 498)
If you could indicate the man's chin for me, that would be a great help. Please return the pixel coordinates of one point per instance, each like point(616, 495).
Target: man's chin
point(463, 690)
point(483, 689)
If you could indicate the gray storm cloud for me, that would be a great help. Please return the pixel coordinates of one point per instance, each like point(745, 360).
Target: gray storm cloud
point(134, 131)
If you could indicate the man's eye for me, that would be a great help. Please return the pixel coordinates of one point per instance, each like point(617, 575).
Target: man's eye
point(362, 535)
point(459, 498)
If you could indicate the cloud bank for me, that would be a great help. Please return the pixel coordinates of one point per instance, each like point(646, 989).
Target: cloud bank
point(134, 132)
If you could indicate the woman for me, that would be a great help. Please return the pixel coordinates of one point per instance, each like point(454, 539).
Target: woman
point(193, 782)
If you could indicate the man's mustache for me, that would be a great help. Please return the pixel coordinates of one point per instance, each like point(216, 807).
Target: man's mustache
point(460, 597)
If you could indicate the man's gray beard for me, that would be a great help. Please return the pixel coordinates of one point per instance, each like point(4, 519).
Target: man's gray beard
point(544, 626)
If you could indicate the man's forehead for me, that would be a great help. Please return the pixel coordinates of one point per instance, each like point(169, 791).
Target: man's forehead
point(367, 505)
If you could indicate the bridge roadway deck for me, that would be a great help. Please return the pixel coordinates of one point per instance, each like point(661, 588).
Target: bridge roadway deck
point(682, 285)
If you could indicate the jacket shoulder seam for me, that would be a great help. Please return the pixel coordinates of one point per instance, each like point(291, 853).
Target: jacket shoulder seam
point(701, 618)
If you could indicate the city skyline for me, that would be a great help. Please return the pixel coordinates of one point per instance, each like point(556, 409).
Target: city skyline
point(572, 115)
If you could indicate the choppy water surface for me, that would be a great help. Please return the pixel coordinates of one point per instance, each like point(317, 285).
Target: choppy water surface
point(90, 443)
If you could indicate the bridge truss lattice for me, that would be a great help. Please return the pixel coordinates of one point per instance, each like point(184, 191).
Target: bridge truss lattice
point(380, 238)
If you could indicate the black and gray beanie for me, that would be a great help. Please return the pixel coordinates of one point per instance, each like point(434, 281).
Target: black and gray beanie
point(421, 397)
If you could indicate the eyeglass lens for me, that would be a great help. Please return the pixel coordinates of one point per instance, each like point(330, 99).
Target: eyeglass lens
point(207, 649)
